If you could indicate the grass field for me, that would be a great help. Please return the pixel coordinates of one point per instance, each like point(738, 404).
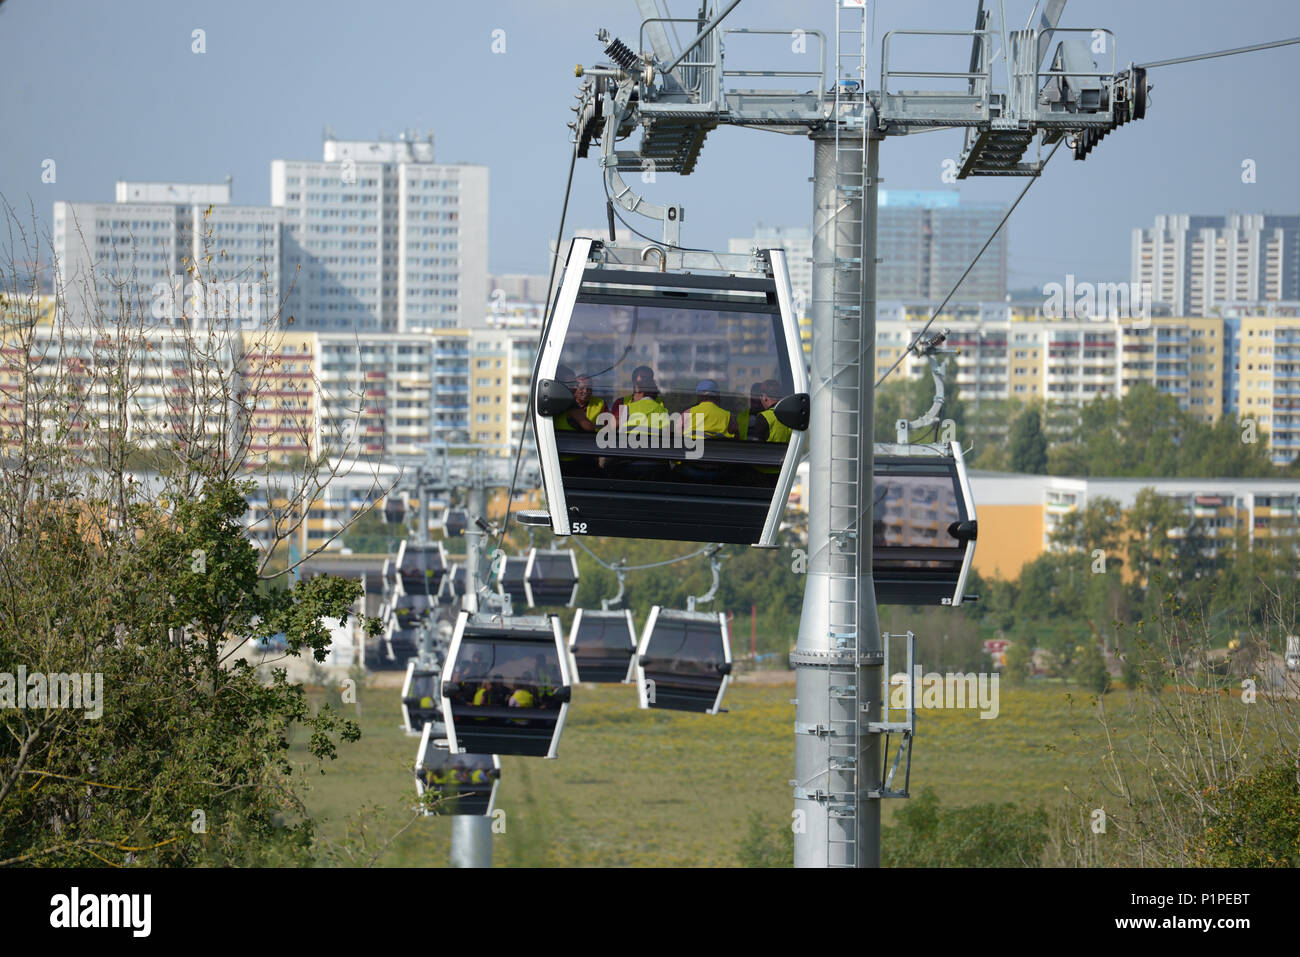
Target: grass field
point(636, 788)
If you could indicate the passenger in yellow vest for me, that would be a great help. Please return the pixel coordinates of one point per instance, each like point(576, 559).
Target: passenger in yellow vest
point(581, 418)
point(768, 428)
point(643, 379)
point(706, 420)
point(521, 697)
point(490, 695)
point(638, 415)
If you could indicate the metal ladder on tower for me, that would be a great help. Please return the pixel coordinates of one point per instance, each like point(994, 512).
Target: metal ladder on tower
point(842, 772)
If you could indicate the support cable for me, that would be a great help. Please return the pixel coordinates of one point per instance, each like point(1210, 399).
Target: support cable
point(537, 357)
point(1208, 56)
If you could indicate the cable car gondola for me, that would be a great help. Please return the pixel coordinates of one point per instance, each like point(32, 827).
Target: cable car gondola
point(411, 609)
point(454, 522)
point(602, 646)
point(684, 661)
point(394, 508)
point(460, 783)
point(923, 525)
point(507, 686)
point(642, 406)
point(421, 703)
point(421, 567)
point(453, 585)
point(551, 577)
point(401, 642)
point(513, 580)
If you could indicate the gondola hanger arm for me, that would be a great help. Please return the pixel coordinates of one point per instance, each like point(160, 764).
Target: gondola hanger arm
point(930, 349)
point(715, 566)
point(669, 216)
point(607, 603)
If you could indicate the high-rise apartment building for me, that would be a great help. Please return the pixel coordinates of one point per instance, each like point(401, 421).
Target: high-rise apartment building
point(1185, 357)
point(1266, 366)
point(927, 238)
point(1195, 263)
point(379, 237)
point(143, 250)
point(500, 372)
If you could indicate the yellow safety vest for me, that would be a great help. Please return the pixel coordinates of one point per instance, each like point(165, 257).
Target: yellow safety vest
point(742, 424)
point(594, 407)
point(776, 432)
point(522, 698)
point(709, 420)
point(640, 414)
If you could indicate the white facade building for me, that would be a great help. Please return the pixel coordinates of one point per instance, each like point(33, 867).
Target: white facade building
point(1197, 263)
point(149, 238)
point(379, 237)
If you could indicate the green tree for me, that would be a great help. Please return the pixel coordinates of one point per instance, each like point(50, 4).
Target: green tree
point(1019, 658)
point(371, 535)
point(1256, 821)
point(1145, 434)
point(1098, 525)
point(1089, 670)
point(1149, 522)
point(147, 586)
point(1028, 444)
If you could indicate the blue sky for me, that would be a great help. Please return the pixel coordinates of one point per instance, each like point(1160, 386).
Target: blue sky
point(112, 91)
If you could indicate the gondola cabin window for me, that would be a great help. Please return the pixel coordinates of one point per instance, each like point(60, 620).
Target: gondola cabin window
point(687, 379)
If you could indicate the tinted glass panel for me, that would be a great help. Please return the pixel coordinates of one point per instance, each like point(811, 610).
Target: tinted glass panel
point(687, 377)
point(422, 558)
point(685, 647)
point(422, 686)
point(461, 782)
point(553, 568)
point(601, 635)
point(506, 674)
point(608, 341)
point(915, 512)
